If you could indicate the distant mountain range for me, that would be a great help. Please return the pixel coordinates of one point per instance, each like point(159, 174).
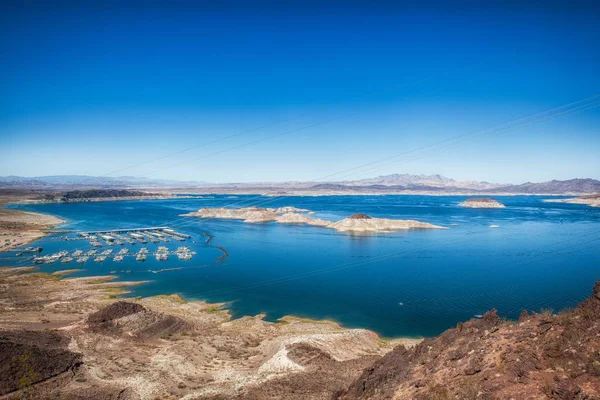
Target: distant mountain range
point(91, 181)
point(421, 180)
point(395, 183)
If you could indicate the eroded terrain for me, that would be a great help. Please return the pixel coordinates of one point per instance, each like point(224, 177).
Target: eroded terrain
point(163, 347)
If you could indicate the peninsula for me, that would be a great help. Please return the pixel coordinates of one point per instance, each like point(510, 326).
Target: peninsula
point(356, 223)
point(591, 200)
point(18, 228)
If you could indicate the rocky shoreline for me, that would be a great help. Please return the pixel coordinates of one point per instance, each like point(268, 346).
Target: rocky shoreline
point(72, 338)
point(161, 347)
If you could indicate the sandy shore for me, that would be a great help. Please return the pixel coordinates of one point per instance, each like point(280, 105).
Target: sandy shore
point(163, 347)
point(18, 228)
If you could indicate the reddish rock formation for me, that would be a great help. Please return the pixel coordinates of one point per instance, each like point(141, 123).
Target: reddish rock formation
point(540, 356)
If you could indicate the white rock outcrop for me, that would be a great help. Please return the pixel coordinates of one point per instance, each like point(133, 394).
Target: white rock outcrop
point(481, 203)
point(290, 215)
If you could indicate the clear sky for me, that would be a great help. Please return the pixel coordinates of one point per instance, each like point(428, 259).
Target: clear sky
point(92, 88)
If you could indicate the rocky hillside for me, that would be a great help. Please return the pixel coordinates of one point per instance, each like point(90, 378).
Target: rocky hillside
point(553, 187)
point(541, 356)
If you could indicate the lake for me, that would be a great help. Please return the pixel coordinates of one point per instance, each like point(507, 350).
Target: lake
point(409, 283)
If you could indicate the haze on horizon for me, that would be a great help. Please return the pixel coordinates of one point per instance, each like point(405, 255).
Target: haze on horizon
point(296, 91)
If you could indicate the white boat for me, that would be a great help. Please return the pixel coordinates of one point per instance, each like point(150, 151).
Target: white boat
point(77, 253)
point(82, 259)
point(66, 260)
point(32, 250)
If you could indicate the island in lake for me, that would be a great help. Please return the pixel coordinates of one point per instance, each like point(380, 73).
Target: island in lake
point(481, 202)
point(289, 215)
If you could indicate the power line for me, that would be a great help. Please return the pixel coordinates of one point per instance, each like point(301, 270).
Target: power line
point(502, 128)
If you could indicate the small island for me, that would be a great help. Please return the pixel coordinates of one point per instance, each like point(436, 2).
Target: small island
point(355, 223)
point(481, 202)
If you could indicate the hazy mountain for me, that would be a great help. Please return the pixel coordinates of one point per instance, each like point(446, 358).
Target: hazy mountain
point(84, 180)
point(553, 187)
point(395, 183)
point(438, 181)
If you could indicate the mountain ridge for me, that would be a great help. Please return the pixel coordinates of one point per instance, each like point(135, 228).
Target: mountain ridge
point(393, 183)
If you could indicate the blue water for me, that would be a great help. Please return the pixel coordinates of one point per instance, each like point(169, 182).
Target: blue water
point(543, 256)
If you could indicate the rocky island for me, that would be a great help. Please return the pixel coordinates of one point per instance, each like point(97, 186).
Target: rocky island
point(481, 202)
point(289, 215)
point(364, 223)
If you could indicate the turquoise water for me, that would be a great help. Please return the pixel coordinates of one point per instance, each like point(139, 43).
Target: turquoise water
point(413, 283)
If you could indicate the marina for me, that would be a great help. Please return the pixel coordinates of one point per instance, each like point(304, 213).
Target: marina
point(122, 237)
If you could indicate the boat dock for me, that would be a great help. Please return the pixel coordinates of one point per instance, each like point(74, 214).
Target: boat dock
point(154, 229)
point(121, 236)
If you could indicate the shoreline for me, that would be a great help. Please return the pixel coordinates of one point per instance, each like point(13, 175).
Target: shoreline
point(408, 193)
point(19, 228)
point(192, 348)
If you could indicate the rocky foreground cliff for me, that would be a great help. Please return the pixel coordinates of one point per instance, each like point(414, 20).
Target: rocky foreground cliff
point(540, 356)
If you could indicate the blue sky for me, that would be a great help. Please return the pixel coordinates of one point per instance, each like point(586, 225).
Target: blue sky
point(90, 88)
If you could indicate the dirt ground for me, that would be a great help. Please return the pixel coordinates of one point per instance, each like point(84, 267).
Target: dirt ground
point(163, 347)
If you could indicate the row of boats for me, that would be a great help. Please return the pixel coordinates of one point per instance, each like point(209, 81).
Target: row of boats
point(132, 238)
point(162, 253)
